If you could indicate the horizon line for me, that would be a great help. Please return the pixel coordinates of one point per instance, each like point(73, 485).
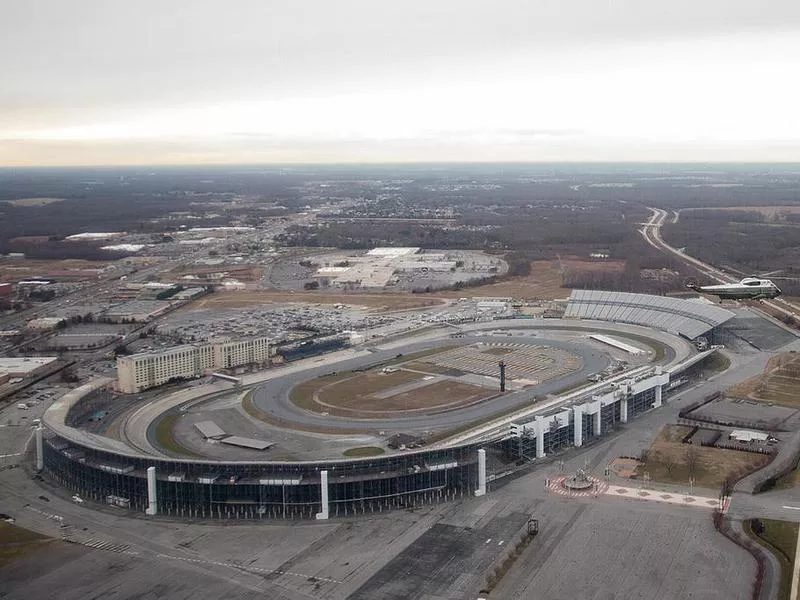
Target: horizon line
point(398, 163)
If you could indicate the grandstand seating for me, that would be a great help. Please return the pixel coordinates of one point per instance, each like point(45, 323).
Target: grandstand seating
point(682, 317)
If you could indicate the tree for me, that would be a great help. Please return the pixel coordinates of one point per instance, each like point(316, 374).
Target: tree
point(691, 458)
point(669, 463)
point(68, 375)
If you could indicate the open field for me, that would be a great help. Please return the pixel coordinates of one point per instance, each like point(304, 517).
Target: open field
point(770, 212)
point(671, 461)
point(373, 302)
point(240, 272)
point(14, 269)
point(166, 439)
point(779, 383)
point(16, 542)
point(351, 391)
point(365, 394)
point(441, 394)
point(543, 283)
point(419, 365)
point(34, 201)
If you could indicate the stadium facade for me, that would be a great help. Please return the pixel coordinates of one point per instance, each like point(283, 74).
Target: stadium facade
point(108, 471)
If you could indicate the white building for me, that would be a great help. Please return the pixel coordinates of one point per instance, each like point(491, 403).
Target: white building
point(139, 372)
point(25, 367)
point(44, 323)
point(244, 352)
point(748, 436)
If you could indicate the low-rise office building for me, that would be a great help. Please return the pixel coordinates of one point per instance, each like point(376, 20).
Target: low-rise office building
point(139, 372)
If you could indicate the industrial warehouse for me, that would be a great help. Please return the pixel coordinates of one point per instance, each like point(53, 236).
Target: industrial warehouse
point(524, 424)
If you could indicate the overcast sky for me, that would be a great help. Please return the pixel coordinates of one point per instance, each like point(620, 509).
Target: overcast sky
point(194, 81)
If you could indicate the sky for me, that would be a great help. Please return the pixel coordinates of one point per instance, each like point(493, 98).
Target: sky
point(96, 82)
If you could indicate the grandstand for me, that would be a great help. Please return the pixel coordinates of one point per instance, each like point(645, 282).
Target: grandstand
point(681, 317)
point(101, 469)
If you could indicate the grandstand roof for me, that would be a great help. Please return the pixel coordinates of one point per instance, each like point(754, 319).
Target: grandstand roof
point(243, 442)
point(209, 429)
point(682, 317)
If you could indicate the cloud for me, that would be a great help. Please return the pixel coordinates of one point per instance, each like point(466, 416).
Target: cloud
point(321, 75)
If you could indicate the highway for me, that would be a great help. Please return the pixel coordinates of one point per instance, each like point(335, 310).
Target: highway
point(651, 231)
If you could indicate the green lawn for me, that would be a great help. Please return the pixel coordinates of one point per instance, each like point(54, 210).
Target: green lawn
point(166, 439)
point(363, 451)
point(780, 537)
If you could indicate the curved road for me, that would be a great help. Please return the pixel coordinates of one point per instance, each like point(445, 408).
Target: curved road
point(784, 505)
point(273, 396)
point(651, 231)
point(139, 427)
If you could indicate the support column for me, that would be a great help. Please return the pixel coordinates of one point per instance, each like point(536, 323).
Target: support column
point(152, 499)
point(323, 514)
point(540, 437)
point(577, 414)
point(481, 491)
point(598, 420)
point(623, 409)
point(657, 403)
point(39, 449)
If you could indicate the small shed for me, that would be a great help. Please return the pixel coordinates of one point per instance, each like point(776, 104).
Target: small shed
point(748, 436)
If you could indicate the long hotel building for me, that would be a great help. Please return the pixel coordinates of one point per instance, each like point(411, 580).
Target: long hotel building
point(139, 372)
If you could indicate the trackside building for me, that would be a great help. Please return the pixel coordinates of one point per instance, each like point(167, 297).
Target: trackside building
point(139, 372)
point(99, 468)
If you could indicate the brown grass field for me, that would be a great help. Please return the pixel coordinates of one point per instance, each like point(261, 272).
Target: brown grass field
point(543, 283)
point(240, 272)
point(16, 542)
point(14, 269)
point(497, 351)
point(780, 382)
point(372, 302)
point(438, 394)
point(433, 369)
point(352, 391)
point(354, 394)
point(667, 461)
point(33, 202)
point(770, 212)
